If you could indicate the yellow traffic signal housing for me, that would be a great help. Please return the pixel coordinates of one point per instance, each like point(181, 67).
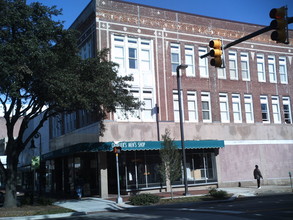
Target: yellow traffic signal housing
point(280, 25)
point(216, 52)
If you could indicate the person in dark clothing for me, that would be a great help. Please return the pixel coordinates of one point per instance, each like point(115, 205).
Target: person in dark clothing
point(257, 175)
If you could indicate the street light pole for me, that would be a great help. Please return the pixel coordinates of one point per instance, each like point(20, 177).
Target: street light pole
point(182, 66)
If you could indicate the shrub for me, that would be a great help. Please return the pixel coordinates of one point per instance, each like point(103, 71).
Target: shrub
point(219, 194)
point(144, 199)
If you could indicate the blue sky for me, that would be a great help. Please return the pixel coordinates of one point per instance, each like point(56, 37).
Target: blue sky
point(250, 11)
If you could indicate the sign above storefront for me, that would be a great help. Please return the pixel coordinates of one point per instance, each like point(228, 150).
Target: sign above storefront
point(130, 146)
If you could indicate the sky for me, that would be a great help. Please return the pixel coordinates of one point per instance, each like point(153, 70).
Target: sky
point(249, 11)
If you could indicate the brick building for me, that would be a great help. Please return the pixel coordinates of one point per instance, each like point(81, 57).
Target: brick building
point(234, 117)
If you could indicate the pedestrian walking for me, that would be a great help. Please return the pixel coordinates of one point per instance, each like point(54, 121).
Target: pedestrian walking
point(257, 175)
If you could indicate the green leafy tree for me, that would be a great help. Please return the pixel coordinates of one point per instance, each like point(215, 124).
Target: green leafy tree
point(42, 75)
point(170, 168)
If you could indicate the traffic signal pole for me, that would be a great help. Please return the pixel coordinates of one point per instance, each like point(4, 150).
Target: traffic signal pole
point(254, 34)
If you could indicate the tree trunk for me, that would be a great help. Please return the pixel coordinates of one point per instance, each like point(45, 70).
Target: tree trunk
point(10, 194)
point(11, 175)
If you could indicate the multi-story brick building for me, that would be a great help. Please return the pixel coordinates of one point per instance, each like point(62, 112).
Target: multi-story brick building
point(234, 117)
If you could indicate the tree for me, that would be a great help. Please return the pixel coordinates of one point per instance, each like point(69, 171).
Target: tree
point(40, 72)
point(170, 168)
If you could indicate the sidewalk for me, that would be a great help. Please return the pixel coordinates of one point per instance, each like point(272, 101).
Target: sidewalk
point(91, 204)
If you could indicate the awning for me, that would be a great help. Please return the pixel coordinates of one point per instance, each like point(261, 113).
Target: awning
point(130, 146)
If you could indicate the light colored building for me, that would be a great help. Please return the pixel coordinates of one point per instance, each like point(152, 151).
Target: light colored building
point(234, 118)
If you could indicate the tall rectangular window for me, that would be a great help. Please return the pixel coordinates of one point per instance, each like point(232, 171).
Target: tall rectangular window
point(248, 109)
point(176, 105)
point(224, 107)
point(206, 107)
point(175, 57)
point(233, 65)
point(287, 110)
point(221, 73)
point(283, 70)
point(260, 60)
point(203, 63)
point(132, 53)
point(192, 106)
point(189, 60)
point(245, 66)
point(276, 109)
point(272, 69)
point(264, 109)
point(236, 106)
point(147, 109)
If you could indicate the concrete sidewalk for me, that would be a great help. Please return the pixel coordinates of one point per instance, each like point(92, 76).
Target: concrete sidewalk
point(91, 204)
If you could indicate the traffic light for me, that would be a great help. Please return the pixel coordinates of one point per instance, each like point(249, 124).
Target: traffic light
point(117, 150)
point(280, 25)
point(216, 53)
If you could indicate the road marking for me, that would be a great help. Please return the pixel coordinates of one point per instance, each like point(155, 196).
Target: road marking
point(207, 210)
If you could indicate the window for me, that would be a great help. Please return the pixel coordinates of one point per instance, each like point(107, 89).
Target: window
point(147, 111)
point(221, 73)
point(189, 60)
point(245, 66)
point(264, 109)
point(203, 63)
point(206, 107)
point(224, 107)
point(287, 110)
point(236, 106)
point(260, 67)
point(192, 106)
point(134, 56)
point(176, 105)
point(283, 70)
point(272, 69)
point(276, 109)
point(86, 51)
point(248, 108)
point(233, 65)
point(175, 57)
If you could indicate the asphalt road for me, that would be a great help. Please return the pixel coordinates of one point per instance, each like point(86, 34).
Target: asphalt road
point(277, 207)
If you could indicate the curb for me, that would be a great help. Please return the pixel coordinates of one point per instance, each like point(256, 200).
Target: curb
point(35, 217)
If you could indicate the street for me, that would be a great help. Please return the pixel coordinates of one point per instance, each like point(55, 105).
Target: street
point(278, 207)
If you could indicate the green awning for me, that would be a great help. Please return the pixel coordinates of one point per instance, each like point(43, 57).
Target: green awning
point(129, 146)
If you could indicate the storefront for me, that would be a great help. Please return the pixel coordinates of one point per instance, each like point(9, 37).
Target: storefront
point(82, 164)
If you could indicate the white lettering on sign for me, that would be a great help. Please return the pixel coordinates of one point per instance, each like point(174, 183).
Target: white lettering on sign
point(129, 144)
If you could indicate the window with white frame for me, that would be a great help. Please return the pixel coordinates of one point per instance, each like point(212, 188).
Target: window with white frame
point(264, 109)
point(176, 105)
point(206, 107)
point(287, 110)
point(192, 106)
point(233, 65)
point(283, 70)
point(245, 66)
point(134, 56)
point(175, 57)
point(221, 73)
point(189, 60)
point(203, 63)
point(272, 69)
point(147, 110)
point(260, 60)
point(224, 107)
point(276, 109)
point(236, 106)
point(248, 104)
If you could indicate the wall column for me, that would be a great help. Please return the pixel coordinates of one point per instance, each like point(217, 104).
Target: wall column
point(103, 178)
